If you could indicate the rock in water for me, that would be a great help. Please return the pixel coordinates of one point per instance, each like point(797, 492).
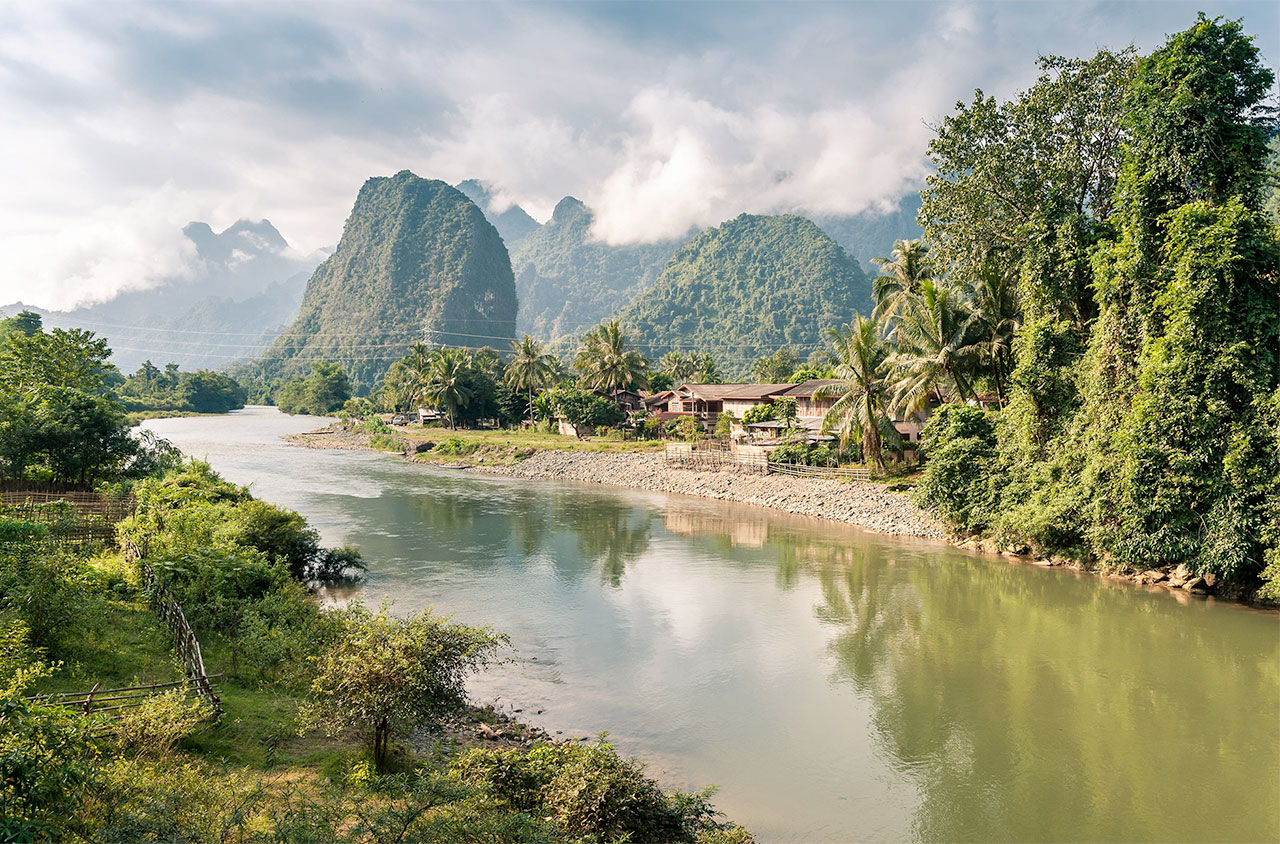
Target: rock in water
point(417, 261)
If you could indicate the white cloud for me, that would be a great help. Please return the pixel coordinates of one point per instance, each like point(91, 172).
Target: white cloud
point(124, 122)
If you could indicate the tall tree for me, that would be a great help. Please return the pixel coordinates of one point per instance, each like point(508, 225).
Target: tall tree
point(937, 347)
point(447, 385)
point(607, 364)
point(529, 369)
point(862, 393)
point(900, 277)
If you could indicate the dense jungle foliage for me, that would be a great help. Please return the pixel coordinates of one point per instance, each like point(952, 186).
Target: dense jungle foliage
point(748, 287)
point(1125, 197)
point(568, 282)
point(416, 257)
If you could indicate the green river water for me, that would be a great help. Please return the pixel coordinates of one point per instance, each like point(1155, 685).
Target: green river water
point(837, 685)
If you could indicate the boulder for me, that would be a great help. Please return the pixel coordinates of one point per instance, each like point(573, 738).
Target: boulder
point(1196, 585)
point(1179, 576)
point(423, 447)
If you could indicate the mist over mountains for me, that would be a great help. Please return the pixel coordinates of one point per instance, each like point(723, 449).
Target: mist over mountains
point(245, 284)
point(407, 277)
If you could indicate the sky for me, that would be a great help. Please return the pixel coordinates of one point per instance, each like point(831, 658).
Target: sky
point(122, 121)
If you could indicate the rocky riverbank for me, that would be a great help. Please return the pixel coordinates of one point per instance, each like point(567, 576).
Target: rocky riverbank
point(867, 505)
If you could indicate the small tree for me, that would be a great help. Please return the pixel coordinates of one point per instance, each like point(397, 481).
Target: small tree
point(689, 429)
point(724, 426)
point(384, 675)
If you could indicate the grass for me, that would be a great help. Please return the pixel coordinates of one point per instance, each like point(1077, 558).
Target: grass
point(116, 640)
point(528, 439)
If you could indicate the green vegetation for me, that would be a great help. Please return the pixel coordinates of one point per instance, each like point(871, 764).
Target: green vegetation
point(415, 256)
point(607, 364)
point(292, 671)
point(695, 367)
point(61, 419)
point(747, 288)
point(384, 676)
point(203, 391)
point(1120, 204)
point(568, 282)
point(325, 391)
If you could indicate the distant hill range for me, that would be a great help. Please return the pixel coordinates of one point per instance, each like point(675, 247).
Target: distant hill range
point(567, 282)
point(417, 261)
point(744, 289)
point(422, 261)
point(245, 287)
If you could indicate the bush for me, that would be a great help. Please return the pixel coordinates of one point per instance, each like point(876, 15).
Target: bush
point(216, 586)
point(385, 675)
point(47, 757)
point(959, 444)
point(455, 446)
point(592, 792)
point(383, 442)
point(155, 727)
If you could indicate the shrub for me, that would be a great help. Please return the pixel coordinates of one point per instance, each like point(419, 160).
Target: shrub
point(382, 442)
point(47, 757)
point(384, 675)
point(959, 443)
point(153, 728)
point(592, 792)
point(688, 428)
point(455, 446)
point(215, 586)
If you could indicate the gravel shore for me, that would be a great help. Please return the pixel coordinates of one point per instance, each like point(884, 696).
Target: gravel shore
point(867, 505)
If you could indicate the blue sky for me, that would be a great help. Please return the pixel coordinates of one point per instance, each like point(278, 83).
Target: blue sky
point(125, 120)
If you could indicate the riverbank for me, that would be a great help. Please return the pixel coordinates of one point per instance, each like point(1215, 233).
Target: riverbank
point(867, 505)
point(870, 506)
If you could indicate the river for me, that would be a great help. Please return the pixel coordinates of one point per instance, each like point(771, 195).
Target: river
point(836, 684)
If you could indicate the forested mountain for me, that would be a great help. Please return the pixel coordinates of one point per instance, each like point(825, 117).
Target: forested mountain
point(417, 261)
point(747, 287)
point(872, 234)
point(246, 285)
point(513, 223)
point(568, 282)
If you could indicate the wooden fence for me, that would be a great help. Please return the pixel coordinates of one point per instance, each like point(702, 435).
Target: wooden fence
point(686, 454)
point(184, 638)
point(94, 519)
point(125, 697)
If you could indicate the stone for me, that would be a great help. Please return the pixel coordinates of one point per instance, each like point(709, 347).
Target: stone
point(1179, 576)
point(423, 447)
point(1196, 584)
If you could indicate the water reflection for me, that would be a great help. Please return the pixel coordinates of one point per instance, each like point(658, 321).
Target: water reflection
point(1031, 705)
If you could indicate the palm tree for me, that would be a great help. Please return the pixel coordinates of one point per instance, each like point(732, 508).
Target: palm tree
point(679, 367)
point(936, 344)
point(863, 392)
point(447, 382)
point(995, 302)
point(705, 368)
point(529, 368)
point(606, 364)
point(900, 277)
